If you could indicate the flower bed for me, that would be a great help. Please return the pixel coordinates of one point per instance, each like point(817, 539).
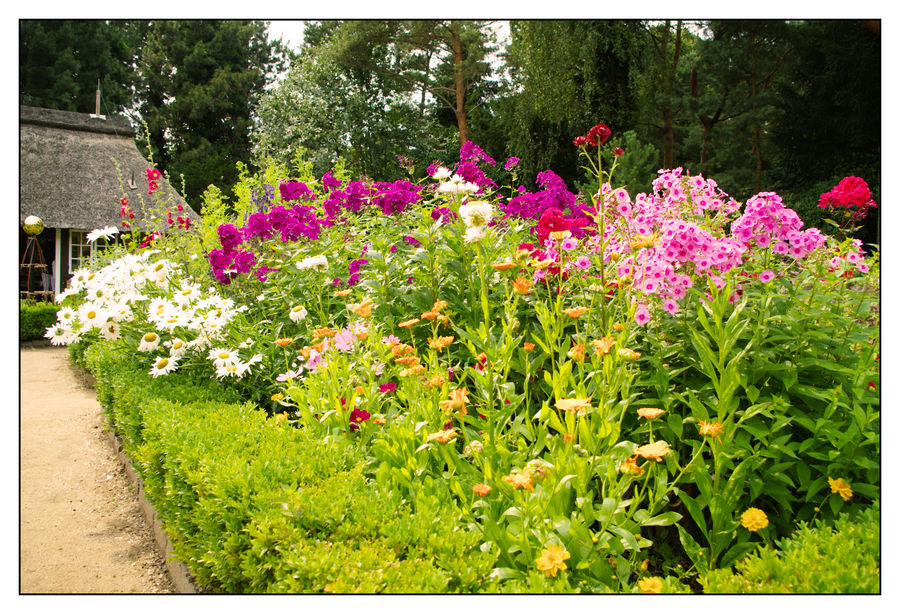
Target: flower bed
point(606, 392)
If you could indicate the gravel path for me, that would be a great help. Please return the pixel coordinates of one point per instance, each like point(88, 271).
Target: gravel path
point(81, 527)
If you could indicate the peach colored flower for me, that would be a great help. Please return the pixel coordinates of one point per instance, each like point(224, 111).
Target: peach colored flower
point(437, 380)
point(324, 332)
point(363, 310)
point(711, 429)
point(342, 293)
point(575, 312)
point(577, 352)
point(414, 370)
point(430, 315)
point(576, 405)
point(408, 323)
point(630, 466)
point(439, 343)
point(442, 436)
point(399, 349)
point(650, 412)
point(407, 361)
point(522, 285)
point(503, 266)
point(602, 346)
point(283, 341)
point(519, 481)
point(482, 490)
point(458, 400)
point(439, 305)
point(653, 451)
point(529, 347)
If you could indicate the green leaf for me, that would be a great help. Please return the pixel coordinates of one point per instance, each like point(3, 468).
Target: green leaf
point(736, 552)
point(662, 520)
point(692, 549)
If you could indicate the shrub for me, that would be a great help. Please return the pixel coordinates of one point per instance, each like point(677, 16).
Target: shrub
point(35, 318)
point(845, 558)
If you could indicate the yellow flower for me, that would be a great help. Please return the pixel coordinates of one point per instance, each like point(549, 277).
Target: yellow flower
point(602, 346)
point(342, 293)
point(430, 315)
point(519, 481)
point(279, 418)
point(561, 235)
point(276, 397)
point(650, 412)
point(573, 404)
point(482, 490)
point(618, 327)
point(754, 519)
point(841, 487)
point(439, 343)
point(284, 341)
point(552, 560)
point(653, 451)
point(542, 264)
point(522, 285)
point(650, 585)
point(439, 305)
point(408, 323)
point(575, 312)
point(442, 436)
point(577, 352)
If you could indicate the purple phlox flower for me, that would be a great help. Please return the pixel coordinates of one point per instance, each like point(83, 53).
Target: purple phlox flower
point(330, 182)
point(353, 279)
point(511, 162)
point(412, 241)
point(470, 152)
point(229, 236)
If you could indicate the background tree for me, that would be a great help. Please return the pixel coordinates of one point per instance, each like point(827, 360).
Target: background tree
point(566, 76)
point(199, 84)
point(62, 61)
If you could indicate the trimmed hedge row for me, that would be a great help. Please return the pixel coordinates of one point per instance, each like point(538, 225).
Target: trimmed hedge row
point(35, 318)
point(252, 506)
point(814, 560)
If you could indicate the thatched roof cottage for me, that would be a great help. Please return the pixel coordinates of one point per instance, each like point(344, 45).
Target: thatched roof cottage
point(74, 170)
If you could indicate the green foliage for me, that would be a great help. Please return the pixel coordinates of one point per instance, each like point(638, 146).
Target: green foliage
point(35, 318)
point(819, 559)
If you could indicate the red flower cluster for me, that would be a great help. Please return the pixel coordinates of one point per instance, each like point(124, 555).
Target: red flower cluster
point(851, 193)
point(596, 136)
point(152, 176)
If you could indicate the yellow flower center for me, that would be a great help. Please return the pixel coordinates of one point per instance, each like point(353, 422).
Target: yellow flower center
point(150, 337)
point(161, 363)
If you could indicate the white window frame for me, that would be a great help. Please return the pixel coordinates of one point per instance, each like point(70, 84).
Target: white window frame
point(85, 249)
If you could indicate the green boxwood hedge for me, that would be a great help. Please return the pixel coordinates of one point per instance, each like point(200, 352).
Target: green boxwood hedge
point(843, 559)
point(252, 506)
point(35, 318)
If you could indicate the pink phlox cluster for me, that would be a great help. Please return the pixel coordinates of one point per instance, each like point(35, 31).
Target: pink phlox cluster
point(767, 222)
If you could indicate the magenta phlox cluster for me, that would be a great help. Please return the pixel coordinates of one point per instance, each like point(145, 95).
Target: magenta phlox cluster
point(851, 193)
point(554, 208)
point(295, 190)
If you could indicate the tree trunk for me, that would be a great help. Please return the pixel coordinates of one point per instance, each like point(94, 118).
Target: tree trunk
point(460, 83)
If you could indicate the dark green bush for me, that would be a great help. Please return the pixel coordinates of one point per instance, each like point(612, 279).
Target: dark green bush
point(819, 559)
point(35, 318)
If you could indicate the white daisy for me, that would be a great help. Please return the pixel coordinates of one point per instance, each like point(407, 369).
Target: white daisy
point(223, 357)
point(110, 330)
point(106, 233)
point(163, 366)
point(319, 263)
point(298, 313)
point(149, 342)
point(177, 347)
point(187, 293)
point(59, 335)
point(442, 173)
point(91, 315)
point(65, 315)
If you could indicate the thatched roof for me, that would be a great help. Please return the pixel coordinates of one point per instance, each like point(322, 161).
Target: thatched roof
point(68, 172)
